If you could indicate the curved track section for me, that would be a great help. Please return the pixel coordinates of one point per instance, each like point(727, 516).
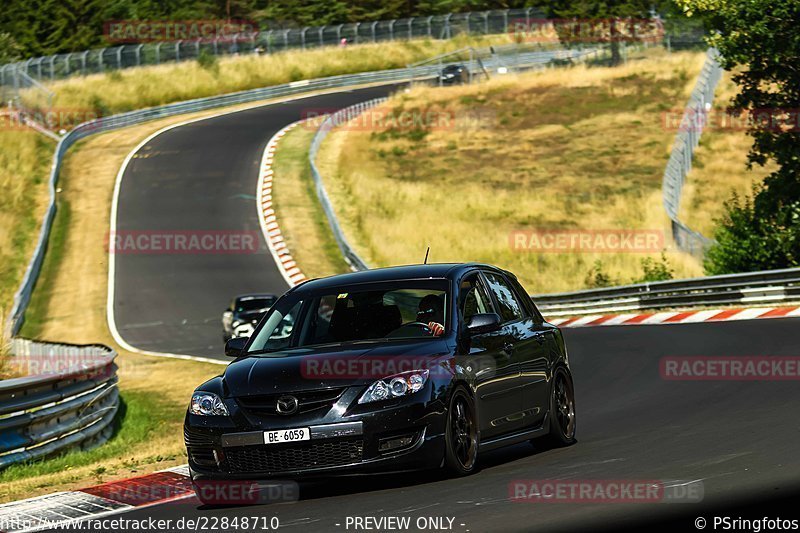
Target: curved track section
point(198, 181)
point(739, 438)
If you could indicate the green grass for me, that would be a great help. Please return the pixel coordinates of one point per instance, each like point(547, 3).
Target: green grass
point(45, 289)
point(141, 415)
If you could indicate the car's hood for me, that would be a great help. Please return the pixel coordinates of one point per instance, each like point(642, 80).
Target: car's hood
point(329, 366)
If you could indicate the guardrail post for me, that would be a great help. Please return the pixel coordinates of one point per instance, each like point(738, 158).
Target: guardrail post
point(119, 57)
point(178, 50)
point(430, 27)
point(391, 29)
point(357, 26)
point(303, 36)
point(410, 28)
point(372, 29)
point(321, 37)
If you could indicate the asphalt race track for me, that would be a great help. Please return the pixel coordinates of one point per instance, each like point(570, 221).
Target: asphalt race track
point(740, 440)
point(199, 179)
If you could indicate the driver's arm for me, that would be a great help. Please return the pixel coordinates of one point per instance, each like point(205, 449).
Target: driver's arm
point(436, 328)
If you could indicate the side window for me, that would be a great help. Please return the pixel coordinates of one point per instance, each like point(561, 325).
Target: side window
point(509, 307)
point(474, 298)
point(523, 297)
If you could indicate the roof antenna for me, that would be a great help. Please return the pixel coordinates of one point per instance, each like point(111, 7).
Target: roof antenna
point(426, 255)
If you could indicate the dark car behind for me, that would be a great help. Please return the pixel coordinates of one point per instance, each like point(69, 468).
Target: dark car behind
point(243, 313)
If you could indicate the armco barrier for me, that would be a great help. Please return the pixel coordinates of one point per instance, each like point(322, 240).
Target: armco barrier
point(69, 403)
point(751, 288)
point(104, 124)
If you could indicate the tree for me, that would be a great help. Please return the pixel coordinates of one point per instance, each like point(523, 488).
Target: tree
point(9, 49)
point(616, 14)
point(758, 40)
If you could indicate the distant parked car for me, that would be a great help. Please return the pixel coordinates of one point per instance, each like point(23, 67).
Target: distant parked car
point(454, 75)
point(242, 315)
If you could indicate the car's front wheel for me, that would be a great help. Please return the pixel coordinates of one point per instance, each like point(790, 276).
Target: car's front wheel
point(461, 437)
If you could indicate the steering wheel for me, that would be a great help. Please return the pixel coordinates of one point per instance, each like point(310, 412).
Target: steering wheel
point(410, 326)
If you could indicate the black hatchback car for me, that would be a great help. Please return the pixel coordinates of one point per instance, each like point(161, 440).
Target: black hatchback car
point(243, 314)
point(390, 369)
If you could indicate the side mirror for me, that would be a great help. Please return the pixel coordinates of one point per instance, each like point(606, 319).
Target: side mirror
point(483, 323)
point(235, 346)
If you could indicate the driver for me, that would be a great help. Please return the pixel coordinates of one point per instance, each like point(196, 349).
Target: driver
point(430, 312)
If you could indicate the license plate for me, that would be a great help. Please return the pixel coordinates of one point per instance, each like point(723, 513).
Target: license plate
point(286, 435)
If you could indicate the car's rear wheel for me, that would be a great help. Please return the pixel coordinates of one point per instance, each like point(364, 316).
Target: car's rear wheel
point(562, 412)
point(461, 436)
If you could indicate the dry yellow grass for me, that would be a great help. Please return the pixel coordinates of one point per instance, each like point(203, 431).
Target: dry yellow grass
point(580, 149)
point(303, 223)
point(24, 166)
point(156, 85)
point(718, 168)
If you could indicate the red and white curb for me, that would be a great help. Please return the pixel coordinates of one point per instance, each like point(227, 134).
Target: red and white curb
point(70, 507)
point(266, 214)
point(677, 317)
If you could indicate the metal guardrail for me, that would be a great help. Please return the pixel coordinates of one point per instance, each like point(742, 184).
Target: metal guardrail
point(680, 160)
point(269, 41)
point(751, 288)
point(69, 403)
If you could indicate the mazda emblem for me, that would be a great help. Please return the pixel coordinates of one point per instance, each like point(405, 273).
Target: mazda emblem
point(287, 405)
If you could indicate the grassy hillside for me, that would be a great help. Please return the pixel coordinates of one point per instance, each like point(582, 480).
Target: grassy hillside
point(580, 149)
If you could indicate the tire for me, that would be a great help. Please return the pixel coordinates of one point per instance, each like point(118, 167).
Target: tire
point(562, 413)
point(461, 435)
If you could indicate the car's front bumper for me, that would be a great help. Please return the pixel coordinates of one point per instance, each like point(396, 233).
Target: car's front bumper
point(219, 449)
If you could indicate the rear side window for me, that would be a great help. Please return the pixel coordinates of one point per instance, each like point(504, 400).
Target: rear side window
point(508, 305)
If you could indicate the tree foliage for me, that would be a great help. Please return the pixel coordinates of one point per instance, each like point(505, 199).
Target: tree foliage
point(43, 27)
point(758, 41)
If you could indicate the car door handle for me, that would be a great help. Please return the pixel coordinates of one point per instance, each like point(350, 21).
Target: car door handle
point(539, 336)
point(508, 349)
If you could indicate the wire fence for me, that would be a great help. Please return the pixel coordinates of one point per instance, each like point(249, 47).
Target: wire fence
point(267, 42)
point(513, 21)
point(680, 160)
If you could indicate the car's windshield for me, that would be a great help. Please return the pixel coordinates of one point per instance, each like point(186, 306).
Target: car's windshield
point(399, 310)
point(254, 304)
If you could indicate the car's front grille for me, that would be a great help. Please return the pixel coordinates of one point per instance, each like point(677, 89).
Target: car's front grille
point(296, 456)
point(307, 401)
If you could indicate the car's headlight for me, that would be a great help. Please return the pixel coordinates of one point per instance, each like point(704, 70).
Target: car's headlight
point(207, 404)
point(395, 386)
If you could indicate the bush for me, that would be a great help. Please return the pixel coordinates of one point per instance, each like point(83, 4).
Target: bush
point(755, 236)
point(208, 61)
point(653, 270)
point(597, 278)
